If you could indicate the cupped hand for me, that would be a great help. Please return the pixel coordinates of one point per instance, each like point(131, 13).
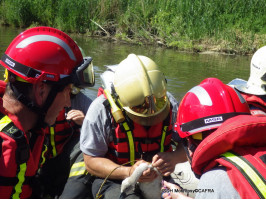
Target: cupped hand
point(164, 162)
point(147, 176)
point(76, 115)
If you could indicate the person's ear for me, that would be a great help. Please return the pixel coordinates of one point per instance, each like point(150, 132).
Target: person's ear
point(40, 92)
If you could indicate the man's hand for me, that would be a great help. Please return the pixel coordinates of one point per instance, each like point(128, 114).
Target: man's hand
point(76, 115)
point(164, 162)
point(147, 176)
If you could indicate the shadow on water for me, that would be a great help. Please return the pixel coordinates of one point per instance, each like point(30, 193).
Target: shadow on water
point(182, 70)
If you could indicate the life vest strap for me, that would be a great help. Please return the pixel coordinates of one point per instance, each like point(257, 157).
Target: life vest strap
point(52, 139)
point(130, 142)
point(163, 138)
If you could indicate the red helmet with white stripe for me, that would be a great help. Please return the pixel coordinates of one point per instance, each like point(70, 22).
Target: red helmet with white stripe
point(42, 54)
point(207, 106)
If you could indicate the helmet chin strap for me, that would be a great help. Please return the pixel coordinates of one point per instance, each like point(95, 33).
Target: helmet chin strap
point(186, 148)
point(49, 100)
point(40, 111)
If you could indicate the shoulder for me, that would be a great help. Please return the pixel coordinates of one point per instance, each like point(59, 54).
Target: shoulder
point(98, 109)
point(217, 184)
point(98, 103)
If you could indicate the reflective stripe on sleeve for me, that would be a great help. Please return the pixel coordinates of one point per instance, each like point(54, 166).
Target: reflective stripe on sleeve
point(78, 169)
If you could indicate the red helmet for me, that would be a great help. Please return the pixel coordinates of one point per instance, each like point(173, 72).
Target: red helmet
point(207, 106)
point(42, 54)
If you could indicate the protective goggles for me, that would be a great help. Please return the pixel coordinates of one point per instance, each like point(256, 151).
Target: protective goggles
point(151, 105)
point(83, 76)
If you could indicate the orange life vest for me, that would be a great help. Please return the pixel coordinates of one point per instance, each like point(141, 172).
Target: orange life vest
point(239, 144)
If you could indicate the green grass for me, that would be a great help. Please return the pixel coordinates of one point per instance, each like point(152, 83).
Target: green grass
point(232, 26)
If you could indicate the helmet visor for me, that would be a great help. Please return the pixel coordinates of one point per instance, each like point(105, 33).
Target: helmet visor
point(151, 105)
point(84, 75)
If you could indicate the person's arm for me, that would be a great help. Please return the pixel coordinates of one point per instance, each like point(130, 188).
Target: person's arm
point(103, 167)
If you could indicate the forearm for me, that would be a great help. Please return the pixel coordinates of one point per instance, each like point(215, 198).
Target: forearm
point(103, 167)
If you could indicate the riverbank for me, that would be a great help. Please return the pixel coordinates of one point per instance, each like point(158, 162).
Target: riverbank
point(232, 27)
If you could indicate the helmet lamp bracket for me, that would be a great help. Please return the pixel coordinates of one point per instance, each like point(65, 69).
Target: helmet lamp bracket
point(83, 76)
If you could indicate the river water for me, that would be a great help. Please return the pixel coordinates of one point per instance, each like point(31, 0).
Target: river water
point(182, 70)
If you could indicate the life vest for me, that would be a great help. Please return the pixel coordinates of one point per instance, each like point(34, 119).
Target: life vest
point(132, 141)
point(19, 161)
point(239, 145)
point(60, 133)
point(257, 105)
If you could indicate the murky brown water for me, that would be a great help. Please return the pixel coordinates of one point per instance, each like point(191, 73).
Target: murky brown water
point(182, 70)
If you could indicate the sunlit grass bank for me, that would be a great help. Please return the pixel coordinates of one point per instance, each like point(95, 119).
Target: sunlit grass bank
point(231, 26)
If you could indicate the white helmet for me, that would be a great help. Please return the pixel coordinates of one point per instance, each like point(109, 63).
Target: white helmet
point(141, 88)
point(256, 83)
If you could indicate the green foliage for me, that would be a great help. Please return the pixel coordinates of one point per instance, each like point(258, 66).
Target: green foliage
point(44, 11)
point(17, 12)
point(185, 24)
point(72, 16)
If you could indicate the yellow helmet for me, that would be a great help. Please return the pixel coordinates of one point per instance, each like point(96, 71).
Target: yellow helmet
point(141, 89)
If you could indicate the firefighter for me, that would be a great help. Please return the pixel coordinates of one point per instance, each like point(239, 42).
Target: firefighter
point(254, 90)
point(131, 121)
point(42, 64)
point(225, 143)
